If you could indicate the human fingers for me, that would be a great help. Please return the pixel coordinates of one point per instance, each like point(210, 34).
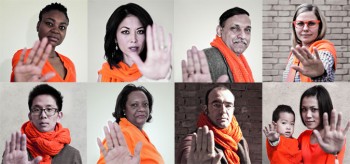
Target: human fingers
point(18, 140)
point(47, 76)
point(333, 119)
point(194, 143)
point(23, 144)
point(196, 64)
point(7, 149)
point(316, 53)
point(297, 68)
point(297, 55)
point(138, 148)
point(222, 79)
point(113, 134)
point(120, 135)
point(266, 131)
point(161, 38)
point(307, 53)
point(40, 51)
point(32, 52)
point(13, 142)
point(108, 138)
point(325, 122)
point(338, 127)
point(205, 138)
point(102, 148)
point(44, 57)
point(204, 68)
point(318, 136)
point(346, 128)
point(149, 38)
point(156, 42)
point(184, 71)
point(169, 44)
point(199, 139)
point(190, 66)
point(270, 127)
point(21, 59)
point(211, 143)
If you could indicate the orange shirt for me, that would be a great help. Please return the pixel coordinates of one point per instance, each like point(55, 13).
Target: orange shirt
point(313, 153)
point(67, 63)
point(287, 151)
point(133, 135)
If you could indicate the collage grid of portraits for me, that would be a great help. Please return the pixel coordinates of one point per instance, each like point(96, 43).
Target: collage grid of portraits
point(88, 105)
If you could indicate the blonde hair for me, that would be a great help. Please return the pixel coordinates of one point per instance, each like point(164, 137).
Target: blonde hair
point(322, 26)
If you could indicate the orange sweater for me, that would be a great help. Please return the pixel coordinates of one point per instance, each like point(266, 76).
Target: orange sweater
point(132, 135)
point(287, 151)
point(313, 153)
point(67, 63)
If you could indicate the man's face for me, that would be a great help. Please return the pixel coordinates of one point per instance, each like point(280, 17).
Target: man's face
point(42, 121)
point(236, 33)
point(220, 107)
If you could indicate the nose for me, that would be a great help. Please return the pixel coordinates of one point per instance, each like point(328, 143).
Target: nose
point(55, 29)
point(308, 114)
point(133, 37)
point(288, 127)
point(43, 114)
point(306, 27)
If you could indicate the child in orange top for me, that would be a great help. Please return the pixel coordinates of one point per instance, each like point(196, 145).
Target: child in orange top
point(280, 144)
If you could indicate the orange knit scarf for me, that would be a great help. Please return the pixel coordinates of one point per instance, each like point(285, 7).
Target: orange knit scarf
point(238, 64)
point(45, 144)
point(321, 45)
point(122, 74)
point(228, 138)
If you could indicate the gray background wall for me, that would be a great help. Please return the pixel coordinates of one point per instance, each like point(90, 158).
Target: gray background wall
point(277, 33)
point(275, 94)
point(14, 111)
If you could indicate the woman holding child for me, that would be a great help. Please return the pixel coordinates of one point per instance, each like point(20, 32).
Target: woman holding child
point(324, 141)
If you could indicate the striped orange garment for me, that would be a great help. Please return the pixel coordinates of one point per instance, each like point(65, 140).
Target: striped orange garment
point(321, 45)
point(228, 138)
point(67, 63)
point(122, 74)
point(238, 64)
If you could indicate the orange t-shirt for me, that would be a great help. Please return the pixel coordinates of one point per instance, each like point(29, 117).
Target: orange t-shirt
point(67, 63)
point(133, 135)
point(313, 153)
point(287, 151)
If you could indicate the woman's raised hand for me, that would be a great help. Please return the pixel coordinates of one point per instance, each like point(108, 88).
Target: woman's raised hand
point(333, 138)
point(159, 48)
point(118, 151)
point(29, 70)
point(312, 65)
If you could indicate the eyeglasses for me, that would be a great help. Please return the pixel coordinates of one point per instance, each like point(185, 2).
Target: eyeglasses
point(48, 111)
point(218, 105)
point(309, 23)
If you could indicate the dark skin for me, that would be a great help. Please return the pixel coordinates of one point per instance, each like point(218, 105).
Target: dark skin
point(53, 25)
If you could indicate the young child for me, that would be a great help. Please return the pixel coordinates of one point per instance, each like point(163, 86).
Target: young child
point(280, 144)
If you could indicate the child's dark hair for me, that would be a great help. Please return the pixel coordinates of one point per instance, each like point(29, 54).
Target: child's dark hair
point(280, 109)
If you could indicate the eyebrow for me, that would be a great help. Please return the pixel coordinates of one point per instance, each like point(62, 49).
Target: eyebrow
point(129, 28)
point(53, 20)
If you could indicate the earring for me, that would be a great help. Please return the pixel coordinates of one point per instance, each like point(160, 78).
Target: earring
point(116, 47)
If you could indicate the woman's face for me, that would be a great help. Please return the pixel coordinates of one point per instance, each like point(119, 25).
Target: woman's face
point(137, 108)
point(53, 25)
point(306, 32)
point(130, 36)
point(310, 112)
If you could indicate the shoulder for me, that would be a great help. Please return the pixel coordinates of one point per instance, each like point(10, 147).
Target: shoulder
point(211, 51)
point(306, 133)
point(65, 58)
point(68, 154)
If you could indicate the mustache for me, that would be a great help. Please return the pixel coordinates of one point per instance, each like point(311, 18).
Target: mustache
point(240, 40)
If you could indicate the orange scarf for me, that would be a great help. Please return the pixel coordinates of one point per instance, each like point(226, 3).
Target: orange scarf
point(321, 45)
point(45, 144)
point(122, 74)
point(228, 138)
point(238, 64)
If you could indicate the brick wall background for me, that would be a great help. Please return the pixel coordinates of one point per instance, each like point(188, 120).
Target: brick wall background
point(248, 111)
point(277, 33)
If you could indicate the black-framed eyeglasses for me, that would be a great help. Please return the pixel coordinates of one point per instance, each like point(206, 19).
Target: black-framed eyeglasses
point(48, 111)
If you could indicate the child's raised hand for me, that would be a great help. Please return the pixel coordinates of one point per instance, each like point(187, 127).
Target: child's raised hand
point(271, 133)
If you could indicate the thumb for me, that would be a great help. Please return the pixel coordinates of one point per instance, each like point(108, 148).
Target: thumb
point(136, 59)
point(138, 149)
point(217, 158)
point(222, 79)
point(48, 76)
point(319, 138)
point(297, 68)
point(37, 160)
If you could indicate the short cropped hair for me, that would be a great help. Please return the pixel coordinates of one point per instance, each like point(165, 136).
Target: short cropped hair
point(44, 89)
point(53, 6)
point(220, 87)
point(123, 98)
point(112, 55)
point(230, 13)
point(323, 99)
point(280, 109)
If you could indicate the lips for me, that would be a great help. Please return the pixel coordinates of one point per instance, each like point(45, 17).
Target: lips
point(53, 39)
point(134, 48)
point(44, 124)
